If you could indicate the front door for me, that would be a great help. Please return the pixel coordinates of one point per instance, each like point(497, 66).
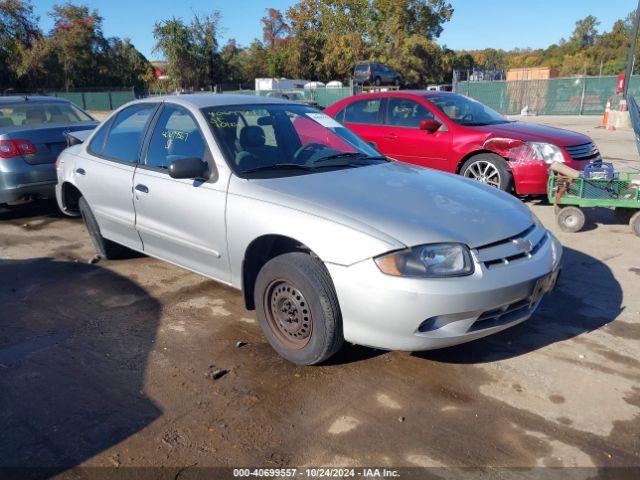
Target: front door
point(402, 139)
point(105, 175)
point(179, 220)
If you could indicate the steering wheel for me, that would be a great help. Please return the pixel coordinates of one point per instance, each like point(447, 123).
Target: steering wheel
point(309, 148)
point(467, 117)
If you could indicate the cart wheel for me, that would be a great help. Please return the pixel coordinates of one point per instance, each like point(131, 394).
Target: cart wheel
point(635, 223)
point(623, 215)
point(571, 219)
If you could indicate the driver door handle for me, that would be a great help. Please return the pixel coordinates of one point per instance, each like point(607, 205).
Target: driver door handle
point(390, 136)
point(142, 188)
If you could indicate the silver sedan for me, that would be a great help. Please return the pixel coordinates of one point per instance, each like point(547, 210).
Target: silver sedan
point(327, 239)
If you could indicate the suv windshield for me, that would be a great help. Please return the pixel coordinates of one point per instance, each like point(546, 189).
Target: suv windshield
point(286, 139)
point(465, 111)
point(40, 113)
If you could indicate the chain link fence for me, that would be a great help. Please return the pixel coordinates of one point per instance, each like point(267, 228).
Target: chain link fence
point(555, 96)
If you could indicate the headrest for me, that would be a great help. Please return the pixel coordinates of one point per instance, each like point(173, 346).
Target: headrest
point(251, 137)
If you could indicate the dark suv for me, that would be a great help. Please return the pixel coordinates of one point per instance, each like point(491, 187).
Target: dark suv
point(375, 73)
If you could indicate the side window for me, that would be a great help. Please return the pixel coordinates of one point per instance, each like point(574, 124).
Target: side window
point(402, 112)
point(363, 111)
point(97, 142)
point(176, 135)
point(127, 131)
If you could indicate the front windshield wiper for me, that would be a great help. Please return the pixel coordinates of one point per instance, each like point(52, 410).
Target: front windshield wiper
point(356, 155)
point(279, 166)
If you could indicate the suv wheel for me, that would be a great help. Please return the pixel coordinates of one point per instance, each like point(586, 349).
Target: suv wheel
point(490, 169)
point(105, 248)
point(298, 309)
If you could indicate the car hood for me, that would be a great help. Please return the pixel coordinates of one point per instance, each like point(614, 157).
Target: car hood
point(536, 133)
point(413, 205)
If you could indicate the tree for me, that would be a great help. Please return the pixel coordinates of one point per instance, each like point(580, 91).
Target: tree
point(205, 31)
point(77, 42)
point(18, 32)
point(274, 27)
point(174, 41)
point(586, 32)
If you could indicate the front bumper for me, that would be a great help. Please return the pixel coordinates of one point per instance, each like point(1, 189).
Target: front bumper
point(19, 180)
point(422, 314)
point(530, 178)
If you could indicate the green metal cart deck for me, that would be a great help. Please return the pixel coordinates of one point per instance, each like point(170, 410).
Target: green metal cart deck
point(569, 195)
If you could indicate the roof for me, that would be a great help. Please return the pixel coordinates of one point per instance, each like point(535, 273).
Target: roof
point(201, 100)
point(30, 98)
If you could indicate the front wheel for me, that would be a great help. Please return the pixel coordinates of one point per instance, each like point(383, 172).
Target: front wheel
point(571, 219)
point(298, 309)
point(490, 169)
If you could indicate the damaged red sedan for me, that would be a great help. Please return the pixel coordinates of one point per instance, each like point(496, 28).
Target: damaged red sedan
point(451, 132)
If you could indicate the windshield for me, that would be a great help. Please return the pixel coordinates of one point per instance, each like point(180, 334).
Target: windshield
point(286, 139)
point(41, 113)
point(465, 111)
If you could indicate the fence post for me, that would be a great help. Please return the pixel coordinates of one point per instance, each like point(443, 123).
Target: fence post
point(84, 102)
point(584, 89)
point(110, 101)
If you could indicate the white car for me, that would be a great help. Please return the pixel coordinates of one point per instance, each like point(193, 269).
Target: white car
point(327, 239)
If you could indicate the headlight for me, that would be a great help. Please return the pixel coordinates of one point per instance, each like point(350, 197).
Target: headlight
point(430, 261)
point(547, 152)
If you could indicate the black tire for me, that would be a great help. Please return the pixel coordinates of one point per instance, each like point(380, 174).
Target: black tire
point(377, 81)
point(634, 223)
point(623, 215)
point(571, 219)
point(297, 308)
point(105, 248)
point(499, 175)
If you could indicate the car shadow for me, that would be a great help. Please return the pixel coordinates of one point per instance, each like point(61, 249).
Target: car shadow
point(74, 344)
point(47, 208)
point(587, 297)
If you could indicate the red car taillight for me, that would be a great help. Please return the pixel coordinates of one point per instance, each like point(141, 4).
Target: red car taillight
point(14, 148)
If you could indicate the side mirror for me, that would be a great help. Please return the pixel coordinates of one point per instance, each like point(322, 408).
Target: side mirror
point(430, 125)
point(188, 168)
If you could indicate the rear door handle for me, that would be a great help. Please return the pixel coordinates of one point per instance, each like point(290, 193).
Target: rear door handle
point(80, 171)
point(142, 188)
point(391, 136)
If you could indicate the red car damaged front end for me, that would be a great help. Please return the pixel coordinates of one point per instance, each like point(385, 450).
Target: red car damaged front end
point(529, 161)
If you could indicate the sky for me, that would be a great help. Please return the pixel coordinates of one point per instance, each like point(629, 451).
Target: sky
point(476, 24)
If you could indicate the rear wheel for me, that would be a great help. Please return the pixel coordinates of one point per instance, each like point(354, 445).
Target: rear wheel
point(623, 215)
point(297, 308)
point(635, 223)
point(105, 248)
point(490, 169)
point(571, 219)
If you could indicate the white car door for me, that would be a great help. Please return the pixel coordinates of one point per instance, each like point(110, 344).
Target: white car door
point(181, 220)
point(104, 174)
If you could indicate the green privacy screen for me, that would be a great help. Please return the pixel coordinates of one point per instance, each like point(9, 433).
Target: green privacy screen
point(97, 100)
point(556, 96)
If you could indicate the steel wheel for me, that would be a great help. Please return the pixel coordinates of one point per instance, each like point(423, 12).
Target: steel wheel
point(484, 172)
point(288, 314)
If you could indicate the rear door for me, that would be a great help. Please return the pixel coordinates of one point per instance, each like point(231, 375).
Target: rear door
point(364, 117)
point(181, 220)
point(402, 139)
point(105, 174)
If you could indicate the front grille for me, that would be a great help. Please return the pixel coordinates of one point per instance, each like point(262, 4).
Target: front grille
point(504, 315)
point(513, 249)
point(586, 151)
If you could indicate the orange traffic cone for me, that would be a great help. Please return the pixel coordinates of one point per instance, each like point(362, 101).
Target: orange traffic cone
point(605, 115)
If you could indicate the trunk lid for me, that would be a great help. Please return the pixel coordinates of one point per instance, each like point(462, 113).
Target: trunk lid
point(49, 140)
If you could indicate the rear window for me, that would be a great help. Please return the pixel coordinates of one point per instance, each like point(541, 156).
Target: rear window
point(362, 111)
point(41, 113)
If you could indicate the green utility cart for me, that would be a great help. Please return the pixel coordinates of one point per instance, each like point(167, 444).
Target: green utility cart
point(571, 195)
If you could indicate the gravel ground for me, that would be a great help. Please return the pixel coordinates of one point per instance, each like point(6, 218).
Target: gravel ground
point(110, 364)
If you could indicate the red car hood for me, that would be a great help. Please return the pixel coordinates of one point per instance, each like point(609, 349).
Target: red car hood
point(534, 132)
